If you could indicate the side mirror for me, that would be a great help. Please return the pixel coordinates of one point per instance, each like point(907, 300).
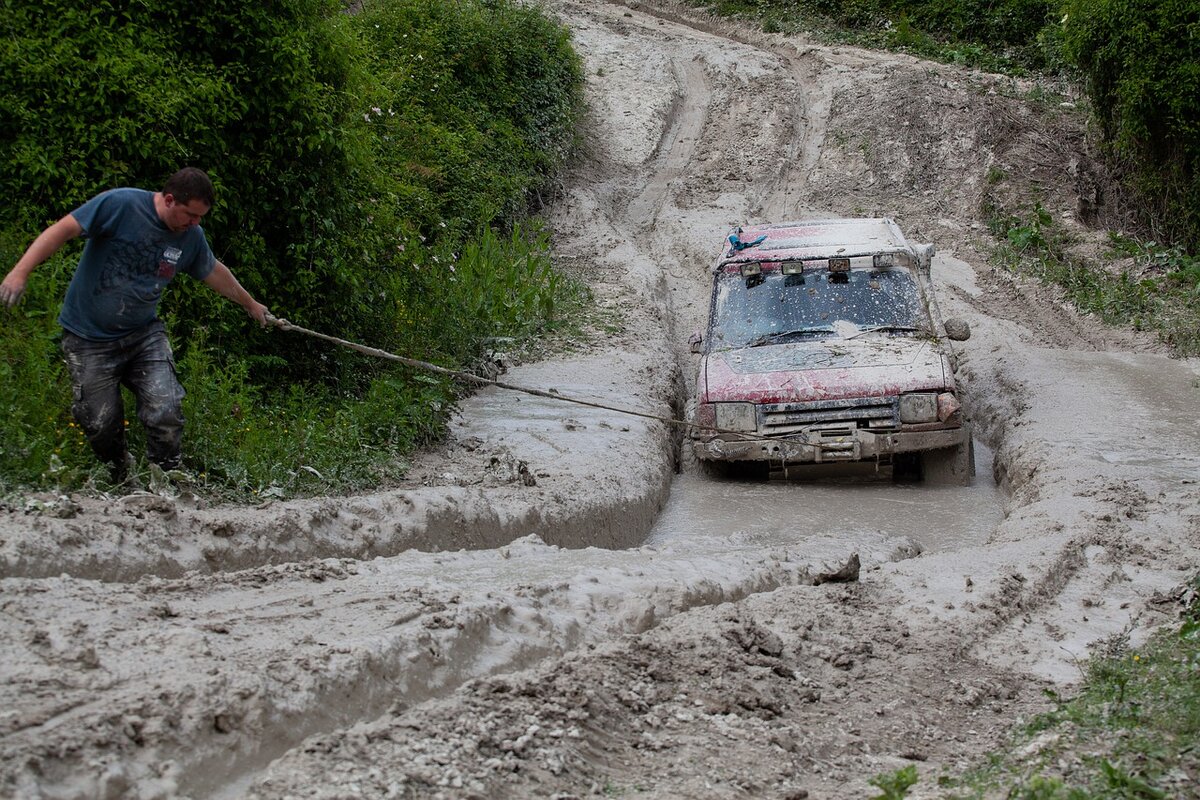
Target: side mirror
point(957, 330)
point(924, 256)
point(694, 342)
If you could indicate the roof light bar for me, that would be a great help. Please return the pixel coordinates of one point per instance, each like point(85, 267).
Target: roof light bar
point(840, 264)
point(751, 268)
point(896, 259)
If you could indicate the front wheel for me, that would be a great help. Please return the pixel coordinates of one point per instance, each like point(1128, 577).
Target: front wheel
point(950, 465)
point(734, 470)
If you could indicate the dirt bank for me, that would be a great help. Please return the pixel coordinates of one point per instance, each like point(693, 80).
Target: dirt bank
point(503, 628)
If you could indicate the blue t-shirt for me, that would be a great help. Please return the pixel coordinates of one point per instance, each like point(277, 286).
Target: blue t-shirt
point(129, 258)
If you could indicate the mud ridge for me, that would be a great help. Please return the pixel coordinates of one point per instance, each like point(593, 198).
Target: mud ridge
point(230, 723)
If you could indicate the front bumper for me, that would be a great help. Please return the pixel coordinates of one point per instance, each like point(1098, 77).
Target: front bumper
point(826, 447)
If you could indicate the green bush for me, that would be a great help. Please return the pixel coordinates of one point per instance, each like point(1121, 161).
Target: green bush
point(363, 162)
point(1141, 63)
point(339, 143)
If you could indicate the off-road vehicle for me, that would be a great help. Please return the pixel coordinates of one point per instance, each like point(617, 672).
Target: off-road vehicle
point(825, 345)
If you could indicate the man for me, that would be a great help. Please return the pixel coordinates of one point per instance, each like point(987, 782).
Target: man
point(136, 242)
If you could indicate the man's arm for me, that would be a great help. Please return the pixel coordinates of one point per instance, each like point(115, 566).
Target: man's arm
point(45, 245)
point(221, 281)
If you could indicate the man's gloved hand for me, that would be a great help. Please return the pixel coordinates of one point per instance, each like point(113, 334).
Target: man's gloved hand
point(11, 291)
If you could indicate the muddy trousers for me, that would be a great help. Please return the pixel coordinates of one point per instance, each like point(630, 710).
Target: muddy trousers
point(143, 362)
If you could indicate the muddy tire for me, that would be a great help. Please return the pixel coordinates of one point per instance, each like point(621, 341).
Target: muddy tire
point(952, 465)
point(906, 468)
point(712, 469)
point(734, 470)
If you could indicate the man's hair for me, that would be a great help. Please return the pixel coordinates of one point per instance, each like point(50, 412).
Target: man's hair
point(190, 184)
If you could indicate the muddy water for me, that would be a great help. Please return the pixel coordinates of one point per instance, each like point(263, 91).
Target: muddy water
point(782, 512)
point(1128, 412)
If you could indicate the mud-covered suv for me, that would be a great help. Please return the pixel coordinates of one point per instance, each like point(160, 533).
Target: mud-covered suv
point(825, 344)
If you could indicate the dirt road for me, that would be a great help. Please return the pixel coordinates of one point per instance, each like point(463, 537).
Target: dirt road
point(521, 621)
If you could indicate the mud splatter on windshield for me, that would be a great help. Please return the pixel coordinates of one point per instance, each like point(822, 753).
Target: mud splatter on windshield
point(770, 306)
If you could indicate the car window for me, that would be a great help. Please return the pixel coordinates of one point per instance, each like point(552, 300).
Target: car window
point(750, 308)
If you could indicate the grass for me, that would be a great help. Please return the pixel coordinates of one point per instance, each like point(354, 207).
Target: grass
point(1131, 733)
point(1157, 289)
point(894, 785)
point(877, 25)
point(247, 442)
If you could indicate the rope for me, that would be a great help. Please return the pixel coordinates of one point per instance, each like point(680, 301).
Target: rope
point(284, 325)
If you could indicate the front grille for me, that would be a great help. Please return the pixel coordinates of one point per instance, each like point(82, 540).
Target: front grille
point(876, 413)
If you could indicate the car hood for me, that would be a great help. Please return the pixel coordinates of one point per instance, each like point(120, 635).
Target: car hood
point(831, 369)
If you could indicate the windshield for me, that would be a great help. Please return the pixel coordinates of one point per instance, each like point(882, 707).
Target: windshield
point(774, 308)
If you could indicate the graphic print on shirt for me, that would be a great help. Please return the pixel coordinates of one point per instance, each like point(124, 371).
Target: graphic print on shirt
point(141, 264)
point(169, 261)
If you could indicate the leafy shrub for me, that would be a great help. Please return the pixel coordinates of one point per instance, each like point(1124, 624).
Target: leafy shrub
point(337, 142)
point(1141, 62)
point(357, 158)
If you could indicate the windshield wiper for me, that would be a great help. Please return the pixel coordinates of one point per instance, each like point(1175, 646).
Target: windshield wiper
point(772, 338)
point(888, 328)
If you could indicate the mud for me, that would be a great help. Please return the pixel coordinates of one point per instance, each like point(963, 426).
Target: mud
point(521, 620)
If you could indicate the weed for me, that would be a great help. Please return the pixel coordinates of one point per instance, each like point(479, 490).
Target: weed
point(894, 785)
point(995, 175)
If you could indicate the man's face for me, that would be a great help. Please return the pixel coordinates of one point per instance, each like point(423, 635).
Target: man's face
point(181, 216)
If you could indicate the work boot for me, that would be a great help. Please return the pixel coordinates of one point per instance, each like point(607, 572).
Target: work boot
point(120, 471)
point(168, 482)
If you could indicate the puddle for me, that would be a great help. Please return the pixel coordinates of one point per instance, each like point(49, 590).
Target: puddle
point(786, 512)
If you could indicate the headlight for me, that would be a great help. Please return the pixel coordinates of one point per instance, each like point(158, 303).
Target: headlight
point(736, 416)
point(919, 407)
point(949, 409)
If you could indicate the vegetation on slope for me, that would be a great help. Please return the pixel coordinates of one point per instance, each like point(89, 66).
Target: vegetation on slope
point(1131, 731)
point(374, 173)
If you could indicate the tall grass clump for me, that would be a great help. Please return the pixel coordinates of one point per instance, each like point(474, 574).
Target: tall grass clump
point(375, 172)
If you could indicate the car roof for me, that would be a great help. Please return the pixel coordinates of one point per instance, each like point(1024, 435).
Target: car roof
point(811, 239)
